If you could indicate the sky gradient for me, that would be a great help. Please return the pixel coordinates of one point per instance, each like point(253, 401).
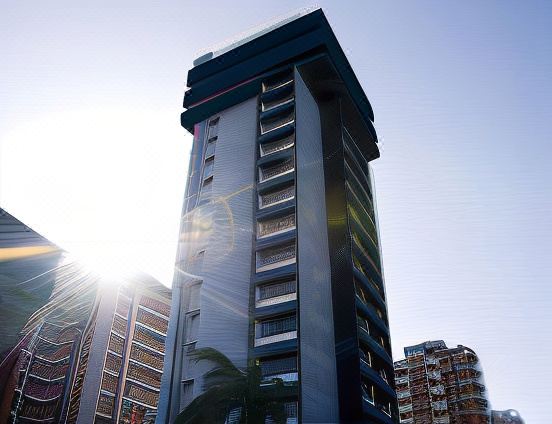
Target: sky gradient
point(93, 157)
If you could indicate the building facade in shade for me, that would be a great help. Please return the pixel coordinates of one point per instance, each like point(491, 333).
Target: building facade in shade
point(130, 356)
point(279, 260)
point(65, 322)
point(25, 284)
point(510, 416)
point(441, 385)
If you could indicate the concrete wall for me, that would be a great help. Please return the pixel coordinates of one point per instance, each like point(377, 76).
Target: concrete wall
point(316, 334)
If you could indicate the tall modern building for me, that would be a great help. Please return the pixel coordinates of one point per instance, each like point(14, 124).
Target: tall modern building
point(279, 261)
point(76, 347)
point(438, 385)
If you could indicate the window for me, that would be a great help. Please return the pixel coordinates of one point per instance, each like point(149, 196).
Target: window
point(192, 327)
point(210, 149)
point(212, 131)
point(278, 326)
point(187, 393)
point(208, 168)
point(194, 293)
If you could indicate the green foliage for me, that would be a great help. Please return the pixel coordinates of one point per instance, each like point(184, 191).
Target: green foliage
point(227, 388)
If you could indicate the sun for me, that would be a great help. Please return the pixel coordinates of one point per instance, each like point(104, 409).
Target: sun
point(105, 184)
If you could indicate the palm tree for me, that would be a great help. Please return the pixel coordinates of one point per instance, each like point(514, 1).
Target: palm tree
point(228, 388)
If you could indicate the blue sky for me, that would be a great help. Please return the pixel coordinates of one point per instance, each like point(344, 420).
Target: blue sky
point(92, 155)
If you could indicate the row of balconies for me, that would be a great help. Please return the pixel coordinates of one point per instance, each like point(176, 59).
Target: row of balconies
point(275, 238)
point(36, 412)
point(41, 390)
point(50, 372)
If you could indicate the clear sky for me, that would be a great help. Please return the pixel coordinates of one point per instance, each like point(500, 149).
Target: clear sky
point(93, 157)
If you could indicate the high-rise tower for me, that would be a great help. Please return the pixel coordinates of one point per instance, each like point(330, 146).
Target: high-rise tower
point(438, 385)
point(279, 258)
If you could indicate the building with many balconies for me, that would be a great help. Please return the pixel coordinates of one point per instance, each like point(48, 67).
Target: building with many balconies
point(82, 348)
point(279, 258)
point(438, 385)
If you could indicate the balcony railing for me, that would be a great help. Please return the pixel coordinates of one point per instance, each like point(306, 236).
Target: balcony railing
point(273, 171)
point(275, 257)
point(273, 226)
point(290, 335)
point(274, 197)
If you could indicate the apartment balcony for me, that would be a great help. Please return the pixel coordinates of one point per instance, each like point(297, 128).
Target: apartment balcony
point(277, 97)
point(279, 145)
point(401, 380)
point(277, 168)
point(277, 117)
point(275, 257)
point(440, 405)
point(405, 408)
point(403, 394)
point(276, 300)
point(279, 94)
point(375, 346)
point(375, 378)
point(273, 226)
point(375, 414)
point(372, 314)
point(155, 305)
point(261, 341)
point(375, 291)
point(276, 196)
point(141, 395)
point(288, 379)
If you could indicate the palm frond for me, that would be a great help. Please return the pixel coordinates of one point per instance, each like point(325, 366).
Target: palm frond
point(212, 355)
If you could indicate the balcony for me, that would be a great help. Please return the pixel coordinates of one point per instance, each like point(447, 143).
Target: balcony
point(275, 257)
point(405, 408)
point(277, 117)
point(403, 394)
point(277, 82)
point(274, 170)
point(277, 196)
point(277, 145)
point(274, 226)
point(261, 341)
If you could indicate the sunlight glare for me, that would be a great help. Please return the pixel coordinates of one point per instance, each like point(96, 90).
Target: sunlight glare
point(104, 184)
